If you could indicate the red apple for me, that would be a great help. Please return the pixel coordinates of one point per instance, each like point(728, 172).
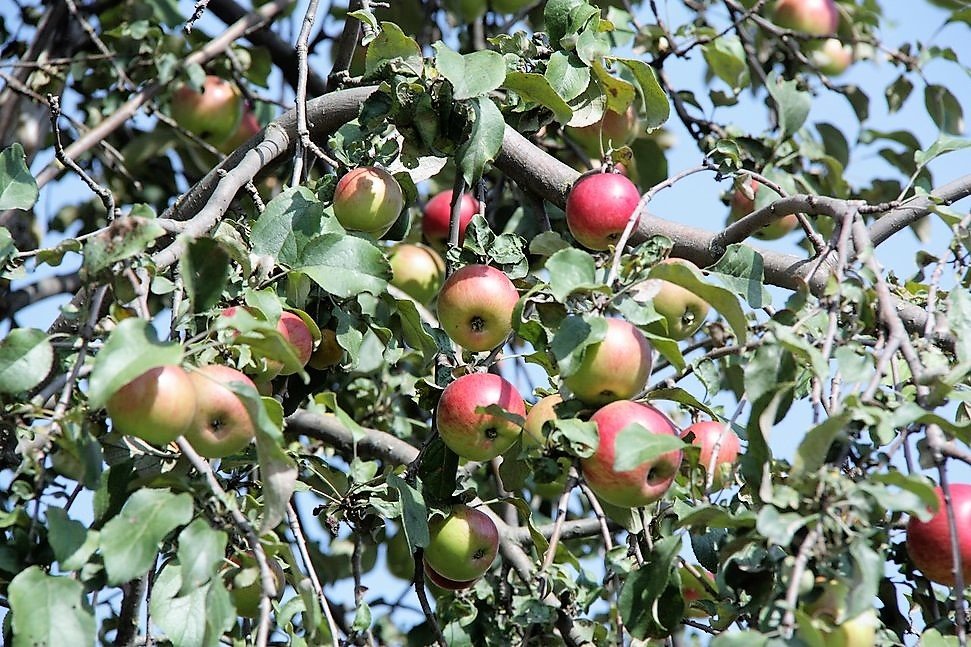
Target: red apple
point(833, 57)
point(443, 582)
point(222, 425)
point(742, 205)
point(417, 270)
point(693, 589)
point(295, 331)
point(213, 114)
point(708, 434)
point(157, 406)
point(437, 216)
point(614, 129)
point(368, 199)
point(463, 545)
point(616, 368)
point(540, 413)
point(328, 353)
point(249, 125)
point(683, 310)
point(475, 307)
point(245, 584)
point(929, 542)
point(647, 482)
point(599, 207)
point(818, 17)
point(469, 433)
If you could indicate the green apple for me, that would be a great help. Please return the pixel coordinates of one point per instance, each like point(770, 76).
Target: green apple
point(329, 352)
point(616, 368)
point(222, 425)
point(742, 205)
point(539, 414)
point(511, 6)
point(475, 307)
point(417, 270)
point(463, 545)
point(213, 114)
point(683, 310)
point(860, 631)
point(245, 585)
point(832, 57)
point(158, 406)
point(466, 11)
point(368, 199)
point(401, 562)
point(475, 435)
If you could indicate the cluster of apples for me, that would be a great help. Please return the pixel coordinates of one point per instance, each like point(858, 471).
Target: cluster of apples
point(216, 113)
point(819, 18)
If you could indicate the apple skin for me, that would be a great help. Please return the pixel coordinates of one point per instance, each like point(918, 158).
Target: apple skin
point(616, 368)
point(246, 597)
point(295, 331)
point(368, 199)
point(249, 126)
point(475, 307)
point(859, 631)
point(705, 435)
point(929, 543)
point(817, 17)
point(743, 206)
point(158, 406)
point(511, 6)
point(833, 57)
point(598, 208)
point(615, 128)
point(437, 216)
point(213, 114)
point(417, 270)
point(466, 10)
point(329, 352)
point(478, 436)
point(683, 310)
point(463, 545)
point(443, 582)
point(540, 413)
point(647, 482)
point(222, 425)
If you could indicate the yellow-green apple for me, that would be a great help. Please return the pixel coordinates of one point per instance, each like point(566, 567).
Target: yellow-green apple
point(443, 582)
point(417, 270)
point(245, 585)
point(539, 414)
point(614, 129)
point(929, 542)
point(477, 435)
point(832, 57)
point(599, 207)
point(437, 216)
point(466, 10)
point(683, 310)
point(615, 368)
point(368, 199)
point(818, 17)
point(742, 205)
point(222, 425)
point(859, 631)
point(463, 545)
point(249, 125)
point(329, 352)
point(213, 114)
point(707, 435)
point(475, 307)
point(511, 6)
point(157, 406)
point(643, 484)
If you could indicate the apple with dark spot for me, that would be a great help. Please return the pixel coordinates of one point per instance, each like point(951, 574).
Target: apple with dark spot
point(463, 545)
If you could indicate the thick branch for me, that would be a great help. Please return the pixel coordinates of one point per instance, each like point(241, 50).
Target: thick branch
point(916, 208)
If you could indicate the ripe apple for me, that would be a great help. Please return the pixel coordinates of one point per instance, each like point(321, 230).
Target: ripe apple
point(540, 413)
point(437, 215)
point(475, 307)
point(598, 208)
point(245, 584)
point(683, 310)
point(694, 590)
point(616, 368)
point(249, 125)
point(647, 482)
point(833, 57)
point(511, 6)
point(818, 17)
point(295, 331)
point(743, 206)
point(368, 199)
point(328, 353)
point(473, 435)
point(213, 114)
point(222, 425)
point(466, 10)
point(708, 434)
point(614, 129)
point(417, 270)
point(463, 545)
point(443, 582)
point(929, 542)
point(157, 406)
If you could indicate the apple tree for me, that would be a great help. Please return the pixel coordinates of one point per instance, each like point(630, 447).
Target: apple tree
point(354, 323)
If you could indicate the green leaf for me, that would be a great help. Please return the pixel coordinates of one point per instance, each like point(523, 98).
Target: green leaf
point(944, 144)
point(812, 451)
point(414, 513)
point(571, 339)
point(657, 109)
point(571, 269)
point(18, 189)
point(639, 599)
point(726, 58)
point(740, 270)
point(792, 104)
point(747, 638)
point(7, 248)
point(278, 471)
point(578, 437)
point(130, 541)
point(944, 109)
point(200, 549)
point(124, 238)
point(71, 541)
point(471, 75)
point(918, 486)
point(484, 141)
point(563, 17)
point(362, 618)
point(438, 471)
point(197, 619)
point(536, 88)
point(49, 610)
point(205, 269)
point(720, 299)
point(781, 528)
point(636, 444)
point(131, 349)
point(26, 357)
point(567, 75)
point(681, 396)
point(345, 265)
point(290, 221)
point(393, 47)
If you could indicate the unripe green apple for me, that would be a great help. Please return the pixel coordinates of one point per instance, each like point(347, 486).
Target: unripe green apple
point(245, 584)
point(860, 631)
point(158, 406)
point(613, 129)
point(368, 199)
point(706, 435)
point(475, 307)
point(466, 10)
point(417, 270)
point(401, 563)
point(817, 17)
point(833, 57)
point(683, 310)
point(616, 368)
point(329, 352)
point(463, 545)
point(213, 114)
point(511, 6)
point(599, 207)
point(929, 542)
point(742, 205)
point(647, 482)
point(222, 425)
point(469, 433)
point(437, 216)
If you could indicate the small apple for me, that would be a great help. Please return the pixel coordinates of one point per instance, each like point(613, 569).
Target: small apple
point(817, 17)
point(540, 413)
point(859, 631)
point(616, 368)
point(599, 207)
point(417, 270)
point(437, 216)
point(511, 6)
point(249, 126)
point(443, 582)
point(467, 11)
point(329, 352)
point(368, 199)
point(683, 310)
point(463, 545)
point(929, 542)
point(158, 406)
point(245, 584)
point(708, 434)
point(833, 57)
point(475, 307)
point(213, 114)
point(469, 433)
point(647, 482)
point(613, 129)
point(295, 331)
point(742, 205)
point(222, 425)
